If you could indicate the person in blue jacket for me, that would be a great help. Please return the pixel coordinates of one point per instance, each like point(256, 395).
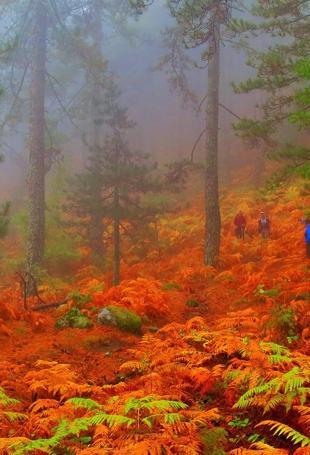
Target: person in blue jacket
point(307, 237)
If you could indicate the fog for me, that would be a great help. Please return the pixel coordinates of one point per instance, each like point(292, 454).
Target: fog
point(166, 128)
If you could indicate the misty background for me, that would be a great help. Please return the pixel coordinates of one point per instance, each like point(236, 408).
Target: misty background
point(166, 129)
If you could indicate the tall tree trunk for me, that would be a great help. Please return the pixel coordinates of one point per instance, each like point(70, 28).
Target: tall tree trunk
point(213, 218)
point(96, 226)
point(36, 178)
point(225, 167)
point(116, 240)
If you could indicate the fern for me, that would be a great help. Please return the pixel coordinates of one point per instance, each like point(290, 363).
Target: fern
point(151, 404)
point(246, 399)
point(274, 402)
point(164, 405)
point(289, 386)
point(14, 416)
point(5, 400)
point(111, 420)
point(293, 382)
point(214, 441)
point(73, 428)
point(280, 429)
point(148, 421)
point(38, 444)
point(266, 449)
point(274, 348)
point(84, 403)
point(278, 358)
point(304, 412)
point(172, 418)
point(44, 445)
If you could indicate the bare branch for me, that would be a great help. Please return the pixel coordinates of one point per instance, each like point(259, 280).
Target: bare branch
point(196, 144)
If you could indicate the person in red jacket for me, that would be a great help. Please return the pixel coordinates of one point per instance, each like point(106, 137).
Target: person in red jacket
point(240, 223)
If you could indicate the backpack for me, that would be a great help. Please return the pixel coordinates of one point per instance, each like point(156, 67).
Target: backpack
point(307, 233)
point(264, 222)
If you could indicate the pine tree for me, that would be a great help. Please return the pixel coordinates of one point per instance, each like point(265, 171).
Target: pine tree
point(202, 24)
point(95, 79)
point(281, 71)
point(114, 180)
point(127, 176)
point(33, 30)
point(95, 107)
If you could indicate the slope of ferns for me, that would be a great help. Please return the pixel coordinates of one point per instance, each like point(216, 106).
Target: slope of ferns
point(222, 365)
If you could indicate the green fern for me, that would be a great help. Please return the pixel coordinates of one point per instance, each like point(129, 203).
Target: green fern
point(5, 400)
point(111, 420)
point(84, 403)
point(289, 386)
point(38, 444)
point(75, 427)
point(14, 416)
point(246, 399)
point(293, 381)
point(274, 348)
point(150, 403)
point(172, 418)
point(280, 429)
point(278, 358)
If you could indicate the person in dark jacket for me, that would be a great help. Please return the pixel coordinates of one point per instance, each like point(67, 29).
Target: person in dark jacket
point(307, 237)
point(264, 225)
point(240, 223)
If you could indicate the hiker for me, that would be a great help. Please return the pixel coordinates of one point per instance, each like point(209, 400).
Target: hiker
point(264, 225)
point(307, 237)
point(240, 223)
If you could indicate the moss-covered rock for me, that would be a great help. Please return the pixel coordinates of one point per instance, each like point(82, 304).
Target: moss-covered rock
point(74, 318)
point(120, 317)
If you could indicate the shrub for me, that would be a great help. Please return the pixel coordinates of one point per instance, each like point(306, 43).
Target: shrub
point(79, 299)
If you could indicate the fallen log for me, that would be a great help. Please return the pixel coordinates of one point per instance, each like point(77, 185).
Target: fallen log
point(46, 306)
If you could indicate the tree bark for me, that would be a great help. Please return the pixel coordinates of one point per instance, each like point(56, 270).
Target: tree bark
point(36, 178)
point(116, 240)
point(96, 228)
point(213, 218)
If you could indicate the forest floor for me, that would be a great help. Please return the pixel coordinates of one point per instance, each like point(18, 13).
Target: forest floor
point(221, 350)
